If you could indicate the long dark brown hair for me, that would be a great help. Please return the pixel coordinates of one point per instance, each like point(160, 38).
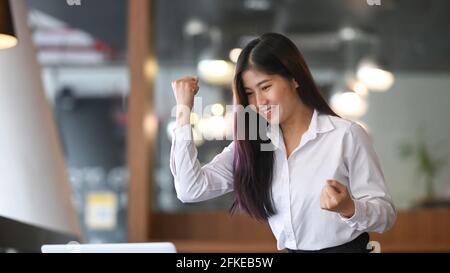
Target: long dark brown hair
point(270, 53)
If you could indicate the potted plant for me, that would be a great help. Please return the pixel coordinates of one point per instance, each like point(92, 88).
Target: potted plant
point(427, 166)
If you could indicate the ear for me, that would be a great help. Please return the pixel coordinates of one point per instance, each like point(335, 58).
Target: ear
point(295, 83)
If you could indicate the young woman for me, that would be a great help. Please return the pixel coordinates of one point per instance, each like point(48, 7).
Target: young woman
point(321, 188)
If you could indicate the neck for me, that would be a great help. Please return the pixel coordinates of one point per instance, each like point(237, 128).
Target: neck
point(297, 123)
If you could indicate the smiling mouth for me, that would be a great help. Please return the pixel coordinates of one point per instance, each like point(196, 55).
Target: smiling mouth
point(267, 112)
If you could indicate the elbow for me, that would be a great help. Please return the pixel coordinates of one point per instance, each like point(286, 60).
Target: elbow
point(190, 189)
point(185, 198)
point(184, 194)
point(391, 219)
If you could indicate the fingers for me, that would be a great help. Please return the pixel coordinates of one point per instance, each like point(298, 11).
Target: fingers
point(344, 208)
point(331, 193)
point(336, 185)
point(327, 200)
point(186, 83)
point(323, 200)
point(335, 197)
point(331, 196)
point(189, 78)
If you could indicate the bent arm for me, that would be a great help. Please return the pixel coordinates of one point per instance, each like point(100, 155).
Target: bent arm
point(194, 183)
point(374, 208)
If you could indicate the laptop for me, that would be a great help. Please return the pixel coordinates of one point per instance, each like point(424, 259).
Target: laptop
point(163, 247)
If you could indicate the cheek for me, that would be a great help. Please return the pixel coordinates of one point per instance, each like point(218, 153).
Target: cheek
point(251, 100)
point(275, 96)
point(287, 106)
point(287, 101)
point(281, 91)
point(279, 97)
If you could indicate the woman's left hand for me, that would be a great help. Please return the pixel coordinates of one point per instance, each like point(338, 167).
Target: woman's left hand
point(335, 197)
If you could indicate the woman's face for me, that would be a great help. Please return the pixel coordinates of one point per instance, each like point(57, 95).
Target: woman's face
point(274, 97)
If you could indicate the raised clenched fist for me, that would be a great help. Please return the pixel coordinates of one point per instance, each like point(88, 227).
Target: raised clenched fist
point(184, 90)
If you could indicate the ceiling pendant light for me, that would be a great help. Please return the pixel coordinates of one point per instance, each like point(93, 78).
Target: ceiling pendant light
point(374, 76)
point(8, 36)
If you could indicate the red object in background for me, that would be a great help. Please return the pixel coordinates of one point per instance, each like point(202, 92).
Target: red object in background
point(121, 118)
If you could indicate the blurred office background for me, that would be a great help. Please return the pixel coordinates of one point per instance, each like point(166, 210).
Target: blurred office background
point(105, 68)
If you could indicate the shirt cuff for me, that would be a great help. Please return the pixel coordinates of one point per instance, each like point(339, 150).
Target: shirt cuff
point(353, 221)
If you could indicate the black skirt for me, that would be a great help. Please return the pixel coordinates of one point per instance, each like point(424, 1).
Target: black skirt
point(358, 245)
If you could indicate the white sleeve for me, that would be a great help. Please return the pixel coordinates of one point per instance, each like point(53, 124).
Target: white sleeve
point(374, 209)
point(194, 183)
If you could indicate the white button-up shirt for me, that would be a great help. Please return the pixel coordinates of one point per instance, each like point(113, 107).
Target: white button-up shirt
point(331, 148)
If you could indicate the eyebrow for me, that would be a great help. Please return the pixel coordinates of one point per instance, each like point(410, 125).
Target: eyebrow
point(258, 84)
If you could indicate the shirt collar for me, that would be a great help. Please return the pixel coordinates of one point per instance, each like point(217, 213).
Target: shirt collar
point(320, 123)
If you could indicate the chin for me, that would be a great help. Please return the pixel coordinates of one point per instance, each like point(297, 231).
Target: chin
point(272, 120)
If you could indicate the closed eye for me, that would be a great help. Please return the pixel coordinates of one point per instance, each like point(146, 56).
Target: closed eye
point(265, 87)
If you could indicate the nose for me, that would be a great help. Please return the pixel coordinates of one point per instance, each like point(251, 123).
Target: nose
point(261, 100)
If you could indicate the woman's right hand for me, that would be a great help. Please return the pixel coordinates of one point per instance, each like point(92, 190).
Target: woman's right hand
point(184, 90)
